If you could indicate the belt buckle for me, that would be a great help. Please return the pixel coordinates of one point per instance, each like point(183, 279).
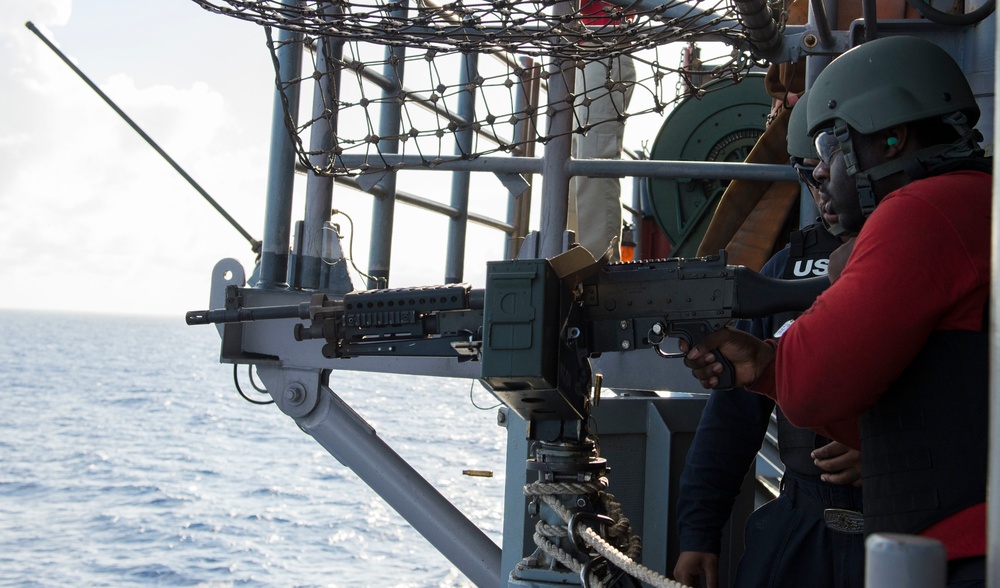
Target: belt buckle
point(844, 521)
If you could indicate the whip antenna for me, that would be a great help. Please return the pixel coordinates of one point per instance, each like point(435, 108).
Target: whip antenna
point(254, 244)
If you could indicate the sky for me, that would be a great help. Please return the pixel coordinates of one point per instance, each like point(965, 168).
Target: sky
point(94, 220)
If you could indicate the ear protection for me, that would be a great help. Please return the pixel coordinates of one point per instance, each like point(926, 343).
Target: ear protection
point(891, 141)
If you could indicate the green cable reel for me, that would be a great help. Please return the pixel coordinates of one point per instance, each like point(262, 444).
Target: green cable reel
point(722, 126)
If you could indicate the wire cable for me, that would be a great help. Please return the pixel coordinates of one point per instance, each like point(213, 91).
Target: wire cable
point(473, 400)
point(350, 251)
point(236, 381)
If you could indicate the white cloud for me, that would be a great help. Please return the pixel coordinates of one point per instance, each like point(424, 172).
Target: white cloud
point(15, 13)
point(93, 217)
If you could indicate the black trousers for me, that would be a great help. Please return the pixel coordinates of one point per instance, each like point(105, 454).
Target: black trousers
point(967, 573)
point(788, 544)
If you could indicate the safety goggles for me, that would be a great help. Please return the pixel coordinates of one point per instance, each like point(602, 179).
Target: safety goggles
point(827, 145)
point(805, 172)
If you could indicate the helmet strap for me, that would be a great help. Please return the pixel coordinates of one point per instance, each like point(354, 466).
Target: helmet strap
point(916, 166)
point(837, 230)
point(863, 181)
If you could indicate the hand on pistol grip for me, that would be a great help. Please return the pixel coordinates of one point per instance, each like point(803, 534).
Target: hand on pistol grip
point(726, 376)
point(692, 333)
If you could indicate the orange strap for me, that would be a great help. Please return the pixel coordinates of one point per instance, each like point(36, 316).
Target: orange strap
point(749, 222)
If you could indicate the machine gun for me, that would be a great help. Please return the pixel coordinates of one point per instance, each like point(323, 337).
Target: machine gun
point(537, 322)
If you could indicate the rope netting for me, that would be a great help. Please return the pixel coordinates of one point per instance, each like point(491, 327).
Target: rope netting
point(389, 77)
point(495, 26)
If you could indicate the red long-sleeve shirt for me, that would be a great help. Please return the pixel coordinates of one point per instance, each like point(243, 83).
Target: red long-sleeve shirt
point(921, 263)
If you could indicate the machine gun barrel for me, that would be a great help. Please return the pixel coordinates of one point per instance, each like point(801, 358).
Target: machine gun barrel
point(247, 314)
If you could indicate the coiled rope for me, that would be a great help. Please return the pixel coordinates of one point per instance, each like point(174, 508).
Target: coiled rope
point(621, 532)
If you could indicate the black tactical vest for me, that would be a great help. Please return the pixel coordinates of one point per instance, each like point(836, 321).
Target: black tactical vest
point(809, 255)
point(923, 444)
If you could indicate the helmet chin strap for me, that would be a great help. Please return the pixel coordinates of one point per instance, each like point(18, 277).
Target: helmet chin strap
point(837, 230)
point(863, 181)
point(916, 165)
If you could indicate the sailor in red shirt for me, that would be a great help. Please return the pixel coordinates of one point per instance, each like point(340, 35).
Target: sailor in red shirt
point(892, 358)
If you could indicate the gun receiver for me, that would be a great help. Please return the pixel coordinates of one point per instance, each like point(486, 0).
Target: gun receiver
point(432, 321)
point(641, 304)
point(533, 331)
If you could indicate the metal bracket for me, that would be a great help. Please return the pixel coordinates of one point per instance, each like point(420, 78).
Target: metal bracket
point(227, 272)
point(295, 391)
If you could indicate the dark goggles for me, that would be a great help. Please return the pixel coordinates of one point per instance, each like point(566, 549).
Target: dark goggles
point(827, 145)
point(805, 173)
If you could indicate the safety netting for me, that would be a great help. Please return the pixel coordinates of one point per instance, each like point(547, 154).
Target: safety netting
point(458, 80)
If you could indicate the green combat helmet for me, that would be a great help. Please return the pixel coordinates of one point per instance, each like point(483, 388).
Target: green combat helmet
point(802, 147)
point(800, 143)
point(890, 81)
point(887, 82)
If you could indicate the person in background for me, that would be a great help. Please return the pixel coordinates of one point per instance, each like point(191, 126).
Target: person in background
point(892, 358)
point(788, 541)
point(747, 222)
point(603, 91)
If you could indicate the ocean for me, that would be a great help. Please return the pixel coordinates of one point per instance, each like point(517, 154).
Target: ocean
point(127, 458)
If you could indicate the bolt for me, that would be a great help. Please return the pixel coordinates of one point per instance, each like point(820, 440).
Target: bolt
point(501, 417)
point(810, 40)
point(626, 345)
point(295, 394)
point(657, 329)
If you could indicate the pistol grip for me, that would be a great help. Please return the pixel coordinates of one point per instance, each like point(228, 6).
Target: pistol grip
point(693, 332)
point(726, 376)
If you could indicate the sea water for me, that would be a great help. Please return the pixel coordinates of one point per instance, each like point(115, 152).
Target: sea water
point(127, 458)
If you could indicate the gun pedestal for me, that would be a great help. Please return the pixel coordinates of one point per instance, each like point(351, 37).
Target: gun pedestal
point(567, 497)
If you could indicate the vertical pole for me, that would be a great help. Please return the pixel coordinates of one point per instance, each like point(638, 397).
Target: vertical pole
point(519, 205)
point(455, 261)
point(638, 186)
point(904, 560)
point(319, 189)
point(281, 164)
point(814, 65)
point(383, 209)
point(993, 475)
point(555, 177)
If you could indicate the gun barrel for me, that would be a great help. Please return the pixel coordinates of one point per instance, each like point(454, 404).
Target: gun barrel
point(242, 315)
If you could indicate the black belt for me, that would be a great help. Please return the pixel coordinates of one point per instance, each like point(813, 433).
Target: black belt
point(842, 520)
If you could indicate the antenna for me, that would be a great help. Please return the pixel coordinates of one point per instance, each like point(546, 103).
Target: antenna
point(254, 243)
